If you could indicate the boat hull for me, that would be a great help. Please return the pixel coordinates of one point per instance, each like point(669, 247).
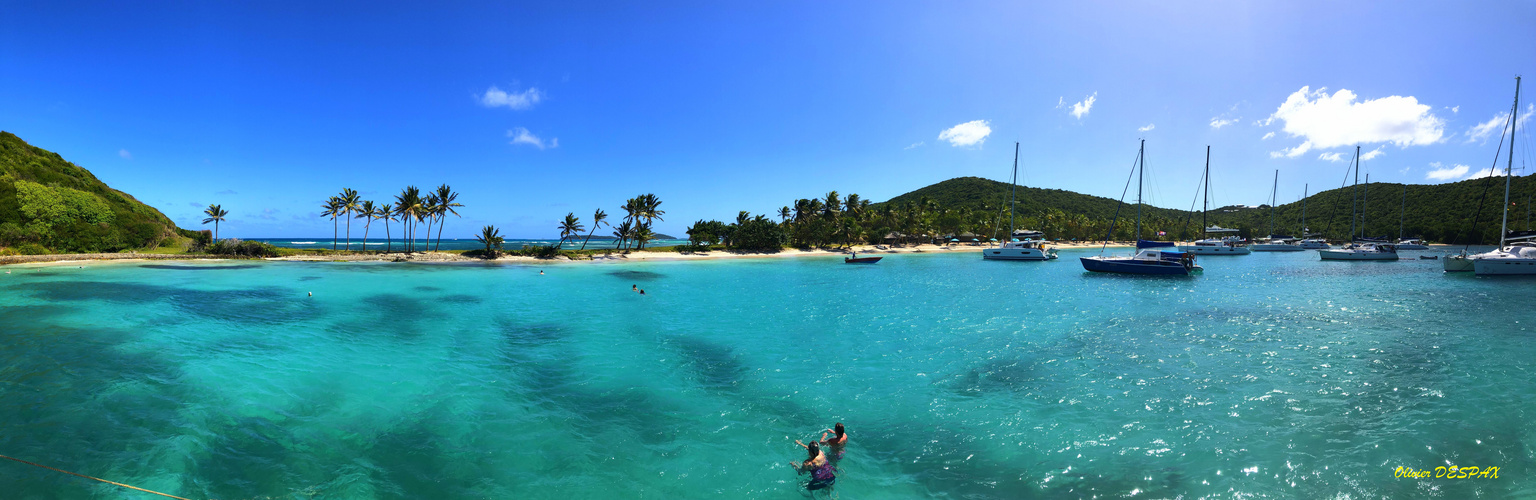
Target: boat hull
point(1314, 245)
point(1349, 255)
point(1132, 266)
point(1412, 246)
point(1214, 250)
point(1276, 247)
point(862, 260)
point(1503, 267)
point(1016, 254)
point(1458, 264)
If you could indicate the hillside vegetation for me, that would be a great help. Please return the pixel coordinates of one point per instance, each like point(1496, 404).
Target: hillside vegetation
point(49, 205)
point(1440, 212)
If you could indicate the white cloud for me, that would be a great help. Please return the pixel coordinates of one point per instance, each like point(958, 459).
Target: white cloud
point(1218, 122)
point(521, 135)
point(125, 154)
point(1267, 136)
point(1149, 127)
point(1295, 152)
point(495, 97)
point(1082, 107)
point(1481, 132)
point(1331, 157)
point(1446, 173)
point(1326, 121)
point(1485, 172)
point(916, 145)
point(970, 133)
point(1455, 109)
point(1370, 155)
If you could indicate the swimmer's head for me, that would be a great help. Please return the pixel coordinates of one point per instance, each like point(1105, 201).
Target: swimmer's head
point(838, 429)
point(813, 449)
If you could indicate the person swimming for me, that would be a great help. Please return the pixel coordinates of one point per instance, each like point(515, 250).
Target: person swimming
point(823, 474)
point(541, 272)
point(642, 291)
point(634, 288)
point(838, 442)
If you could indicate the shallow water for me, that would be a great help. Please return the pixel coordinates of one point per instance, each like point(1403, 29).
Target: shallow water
point(1270, 376)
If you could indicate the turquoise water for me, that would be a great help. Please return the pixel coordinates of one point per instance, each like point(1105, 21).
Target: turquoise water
point(1270, 376)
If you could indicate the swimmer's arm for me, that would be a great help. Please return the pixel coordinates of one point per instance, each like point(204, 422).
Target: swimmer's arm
point(802, 445)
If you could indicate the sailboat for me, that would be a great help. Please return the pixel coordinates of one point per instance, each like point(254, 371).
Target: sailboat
point(1517, 249)
point(1464, 262)
point(1310, 240)
point(1151, 257)
point(1406, 243)
point(1276, 242)
point(1014, 249)
point(1226, 241)
point(1359, 249)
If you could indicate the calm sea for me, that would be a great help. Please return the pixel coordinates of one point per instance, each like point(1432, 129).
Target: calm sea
point(1270, 376)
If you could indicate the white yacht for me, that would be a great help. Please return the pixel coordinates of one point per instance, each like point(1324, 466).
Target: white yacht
point(1276, 242)
point(1309, 241)
point(1314, 244)
point(1411, 244)
point(1516, 258)
point(1231, 244)
point(1226, 241)
point(1402, 242)
point(1359, 250)
point(1032, 246)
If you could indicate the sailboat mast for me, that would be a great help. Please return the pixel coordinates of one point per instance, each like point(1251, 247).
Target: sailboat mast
point(1354, 195)
point(1510, 170)
point(1141, 156)
point(1205, 194)
point(1273, 198)
point(1304, 210)
point(1402, 213)
point(1013, 195)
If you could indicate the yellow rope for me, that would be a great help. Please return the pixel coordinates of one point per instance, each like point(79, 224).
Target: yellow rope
point(92, 478)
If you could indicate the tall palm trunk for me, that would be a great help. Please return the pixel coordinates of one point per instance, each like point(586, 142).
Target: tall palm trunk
point(335, 230)
point(440, 220)
point(215, 230)
point(348, 215)
point(429, 233)
point(583, 242)
point(365, 233)
point(389, 243)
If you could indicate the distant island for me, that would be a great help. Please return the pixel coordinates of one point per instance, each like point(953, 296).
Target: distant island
point(51, 206)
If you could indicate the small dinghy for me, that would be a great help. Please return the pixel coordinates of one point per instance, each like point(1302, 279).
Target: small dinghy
point(1428, 257)
point(855, 259)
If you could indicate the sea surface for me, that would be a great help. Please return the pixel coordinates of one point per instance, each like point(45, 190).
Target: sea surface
point(448, 243)
point(1269, 376)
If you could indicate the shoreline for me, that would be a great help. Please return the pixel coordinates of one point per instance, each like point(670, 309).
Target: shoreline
point(447, 257)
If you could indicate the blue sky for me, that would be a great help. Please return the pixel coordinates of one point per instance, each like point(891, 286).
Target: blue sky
point(534, 110)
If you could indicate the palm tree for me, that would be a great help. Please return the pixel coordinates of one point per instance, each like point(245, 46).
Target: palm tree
point(349, 200)
point(332, 207)
point(642, 233)
point(428, 213)
point(215, 215)
point(366, 211)
point(623, 232)
point(783, 214)
point(408, 207)
point(446, 195)
point(570, 226)
point(597, 220)
point(491, 237)
point(648, 210)
point(386, 212)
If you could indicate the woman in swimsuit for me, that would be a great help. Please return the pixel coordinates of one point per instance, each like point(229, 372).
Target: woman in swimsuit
point(838, 442)
point(822, 472)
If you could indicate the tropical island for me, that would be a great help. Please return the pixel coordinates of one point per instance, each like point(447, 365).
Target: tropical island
point(52, 207)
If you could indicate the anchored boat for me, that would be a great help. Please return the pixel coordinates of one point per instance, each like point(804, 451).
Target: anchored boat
point(1151, 256)
point(1226, 241)
point(1015, 249)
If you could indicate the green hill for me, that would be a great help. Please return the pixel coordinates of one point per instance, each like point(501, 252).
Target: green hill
point(1438, 212)
point(49, 205)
